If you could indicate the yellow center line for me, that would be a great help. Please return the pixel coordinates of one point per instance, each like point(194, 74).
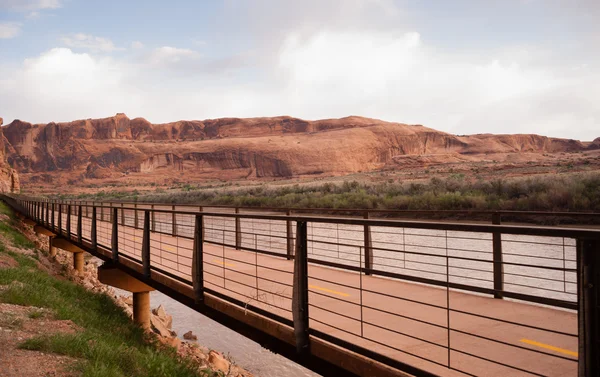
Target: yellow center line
point(168, 248)
point(549, 347)
point(328, 290)
point(223, 263)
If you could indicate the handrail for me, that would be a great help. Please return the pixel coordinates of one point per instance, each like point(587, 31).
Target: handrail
point(360, 211)
point(425, 261)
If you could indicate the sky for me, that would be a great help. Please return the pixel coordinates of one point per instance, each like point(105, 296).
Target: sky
point(460, 66)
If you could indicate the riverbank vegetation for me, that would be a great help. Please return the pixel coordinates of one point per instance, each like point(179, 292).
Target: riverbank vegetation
point(97, 337)
point(574, 192)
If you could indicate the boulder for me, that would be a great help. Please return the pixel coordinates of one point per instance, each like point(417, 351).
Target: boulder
point(163, 316)
point(159, 327)
point(190, 336)
point(217, 361)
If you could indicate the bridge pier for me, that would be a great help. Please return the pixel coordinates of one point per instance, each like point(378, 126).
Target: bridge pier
point(45, 232)
point(64, 244)
point(51, 248)
point(110, 275)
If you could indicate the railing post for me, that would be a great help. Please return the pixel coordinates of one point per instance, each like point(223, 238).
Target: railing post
point(69, 221)
point(79, 225)
point(38, 212)
point(588, 315)
point(135, 216)
point(146, 245)
point(122, 214)
point(94, 229)
point(153, 224)
point(497, 257)
point(368, 247)
point(197, 259)
point(300, 291)
point(173, 221)
point(114, 245)
point(238, 231)
point(289, 235)
point(53, 208)
point(60, 218)
point(47, 213)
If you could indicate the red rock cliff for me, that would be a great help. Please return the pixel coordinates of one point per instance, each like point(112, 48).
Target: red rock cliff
point(9, 179)
point(245, 148)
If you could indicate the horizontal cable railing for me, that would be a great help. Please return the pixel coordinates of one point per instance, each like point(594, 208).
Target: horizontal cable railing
point(439, 297)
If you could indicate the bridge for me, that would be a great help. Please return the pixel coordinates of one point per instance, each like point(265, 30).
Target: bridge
point(356, 295)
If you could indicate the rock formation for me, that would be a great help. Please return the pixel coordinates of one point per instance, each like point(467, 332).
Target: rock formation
point(232, 148)
point(9, 179)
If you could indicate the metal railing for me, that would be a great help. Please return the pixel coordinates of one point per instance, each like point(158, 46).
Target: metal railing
point(431, 298)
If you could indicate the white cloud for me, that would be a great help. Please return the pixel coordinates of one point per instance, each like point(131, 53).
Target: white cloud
point(65, 85)
point(331, 63)
point(33, 15)
point(29, 5)
point(89, 42)
point(181, 60)
point(9, 30)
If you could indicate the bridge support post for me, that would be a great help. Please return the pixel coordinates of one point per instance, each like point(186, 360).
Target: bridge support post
point(78, 261)
point(51, 248)
point(198, 259)
point(588, 293)
point(368, 247)
point(300, 291)
point(68, 245)
point(110, 275)
point(141, 309)
point(497, 257)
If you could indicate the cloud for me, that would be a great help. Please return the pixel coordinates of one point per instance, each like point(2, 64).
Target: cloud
point(64, 84)
point(167, 57)
point(350, 58)
point(9, 30)
point(29, 5)
point(89, 42)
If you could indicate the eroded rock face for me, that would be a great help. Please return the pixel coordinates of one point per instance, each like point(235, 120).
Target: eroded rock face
point(9, 179)
point(252, 148)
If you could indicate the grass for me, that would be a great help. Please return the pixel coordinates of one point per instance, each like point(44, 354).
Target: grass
point(566, 192)
point(109, 344)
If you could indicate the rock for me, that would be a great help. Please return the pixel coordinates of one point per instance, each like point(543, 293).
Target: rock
point(217, 361)
point(163, 316)
point(127, 300)
point(190, 336)
point(173, 342)
point(159, 327)
point(9, 179)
